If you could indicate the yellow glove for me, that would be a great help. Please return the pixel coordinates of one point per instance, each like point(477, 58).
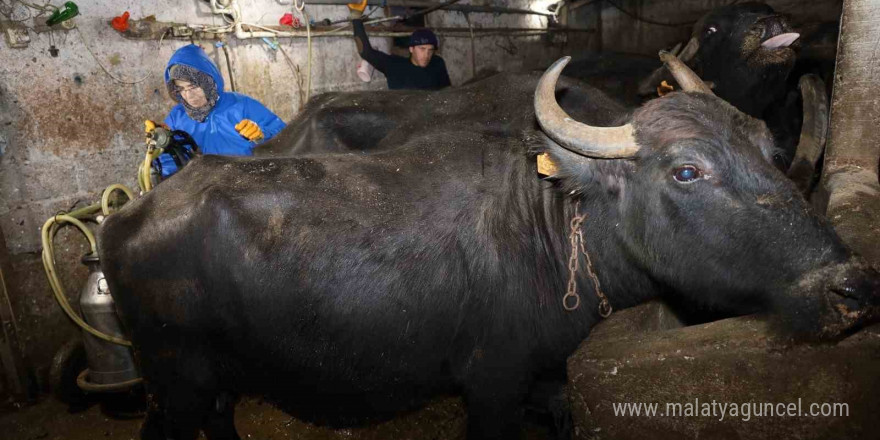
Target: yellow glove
point(356, 10)
point(249, 129)
point(149, 126)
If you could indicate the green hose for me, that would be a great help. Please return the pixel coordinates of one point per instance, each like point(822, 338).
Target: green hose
point(105, 198)
point(50, 228)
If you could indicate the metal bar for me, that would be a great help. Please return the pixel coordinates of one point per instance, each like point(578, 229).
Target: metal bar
point(153, 30)
point(431, 9)
point(426, 4)
point(404, 31)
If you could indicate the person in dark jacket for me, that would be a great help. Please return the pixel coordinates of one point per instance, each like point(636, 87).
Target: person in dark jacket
point(422, 70)
point(219, 122)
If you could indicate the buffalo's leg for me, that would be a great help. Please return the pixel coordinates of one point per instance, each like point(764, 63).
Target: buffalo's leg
point(185, 411)
point(184, 396)
point(220, 424)
point(494, 405)
point(182, 412)
point(153, 427)
point(547, 397)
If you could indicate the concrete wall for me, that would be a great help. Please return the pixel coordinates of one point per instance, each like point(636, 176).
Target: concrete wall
point(68, 129)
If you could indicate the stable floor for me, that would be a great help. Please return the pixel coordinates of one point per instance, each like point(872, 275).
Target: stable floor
point(52, 420)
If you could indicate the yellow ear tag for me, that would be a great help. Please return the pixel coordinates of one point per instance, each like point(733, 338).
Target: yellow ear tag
point(546, 167)
point(664, 88)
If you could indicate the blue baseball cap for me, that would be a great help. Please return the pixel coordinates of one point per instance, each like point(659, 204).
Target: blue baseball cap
point(423, 36)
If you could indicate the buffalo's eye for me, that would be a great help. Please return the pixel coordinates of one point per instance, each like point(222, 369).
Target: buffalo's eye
point(686, 173)
point(711, 30)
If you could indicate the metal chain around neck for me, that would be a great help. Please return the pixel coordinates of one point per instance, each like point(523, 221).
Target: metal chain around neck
point(576, 239)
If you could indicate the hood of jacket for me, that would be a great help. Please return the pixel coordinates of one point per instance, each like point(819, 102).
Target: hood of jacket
point(193, 56)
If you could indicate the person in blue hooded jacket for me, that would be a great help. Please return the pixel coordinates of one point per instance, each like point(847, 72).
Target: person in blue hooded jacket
point(219, 122)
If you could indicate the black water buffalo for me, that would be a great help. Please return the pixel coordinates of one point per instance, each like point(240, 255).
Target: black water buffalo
point(376, 121)
point(746, 51)
point(347, 286)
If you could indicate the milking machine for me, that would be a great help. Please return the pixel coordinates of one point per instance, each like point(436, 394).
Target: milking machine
point(102, 361)
point(110, 367)
point(167, 152)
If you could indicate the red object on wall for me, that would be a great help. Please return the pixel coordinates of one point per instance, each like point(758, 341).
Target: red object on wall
point(286, 20)
point(120, 23)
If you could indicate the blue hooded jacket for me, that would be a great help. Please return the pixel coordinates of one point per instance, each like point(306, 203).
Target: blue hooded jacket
point(217, 134)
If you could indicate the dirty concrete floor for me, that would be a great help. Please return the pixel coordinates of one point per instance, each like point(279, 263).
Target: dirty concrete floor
point(254, 419)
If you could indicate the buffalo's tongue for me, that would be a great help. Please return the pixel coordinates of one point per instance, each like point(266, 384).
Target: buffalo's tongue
point(781, 40)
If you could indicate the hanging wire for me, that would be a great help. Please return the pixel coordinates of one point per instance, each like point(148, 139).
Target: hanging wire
point(119, 80)
point(8, 10)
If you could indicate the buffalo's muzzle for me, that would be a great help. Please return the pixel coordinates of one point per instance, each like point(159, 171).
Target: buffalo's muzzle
point(856, 294)
point(835, 299)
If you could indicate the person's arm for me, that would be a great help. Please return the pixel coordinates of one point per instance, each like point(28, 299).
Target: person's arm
point(378, 59)
point(269, 123)
point(444, 74)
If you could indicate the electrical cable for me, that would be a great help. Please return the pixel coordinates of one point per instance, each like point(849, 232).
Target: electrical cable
point(305, 15)
point(228, 66)
point(46, 7)
point(89, 50)
point(297, 76)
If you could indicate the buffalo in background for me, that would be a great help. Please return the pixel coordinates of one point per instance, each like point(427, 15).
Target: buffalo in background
point(746, 51)
point(753, 58)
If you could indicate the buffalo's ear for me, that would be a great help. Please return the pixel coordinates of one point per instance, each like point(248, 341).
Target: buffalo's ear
point(581, 174)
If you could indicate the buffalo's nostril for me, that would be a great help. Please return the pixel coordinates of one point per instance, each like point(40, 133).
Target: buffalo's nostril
point(773, 25)
point(849, 305)
point(846, 291)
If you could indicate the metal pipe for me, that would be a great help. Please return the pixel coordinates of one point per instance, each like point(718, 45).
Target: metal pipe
point(427, 4)
point(245, 32)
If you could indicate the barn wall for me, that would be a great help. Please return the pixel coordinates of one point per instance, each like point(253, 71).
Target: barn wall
point(68, 129)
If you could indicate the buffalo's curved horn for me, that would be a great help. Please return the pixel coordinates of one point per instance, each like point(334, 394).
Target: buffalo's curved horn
point(813, 132)
point(648, 85)
point(689, 50)
point(600, 142)
point(686, 78)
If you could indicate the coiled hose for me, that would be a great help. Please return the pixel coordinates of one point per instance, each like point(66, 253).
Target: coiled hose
point(75, 218)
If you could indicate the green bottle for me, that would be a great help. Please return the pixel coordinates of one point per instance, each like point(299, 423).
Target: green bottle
point(70, 10)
